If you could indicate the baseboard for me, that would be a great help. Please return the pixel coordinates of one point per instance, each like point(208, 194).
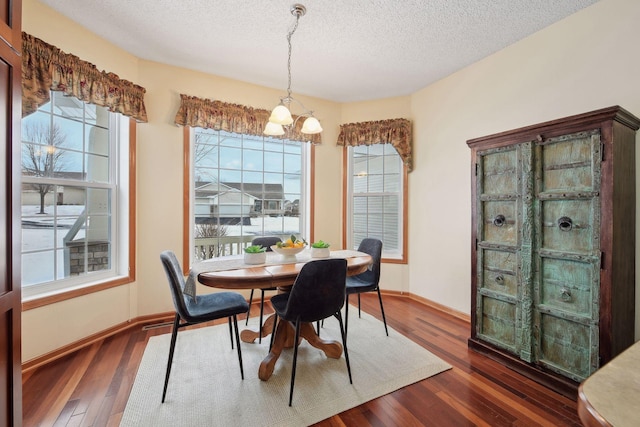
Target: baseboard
point(75, 346)
point(164, 317)
point(427, 302)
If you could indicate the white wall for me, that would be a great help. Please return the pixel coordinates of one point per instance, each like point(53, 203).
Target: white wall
point(585, 62)
point(582, 63)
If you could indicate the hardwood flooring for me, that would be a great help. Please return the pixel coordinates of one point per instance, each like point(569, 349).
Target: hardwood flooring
point(90, 387)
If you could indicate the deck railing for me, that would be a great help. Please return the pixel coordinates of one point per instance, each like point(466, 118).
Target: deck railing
point(211, 247)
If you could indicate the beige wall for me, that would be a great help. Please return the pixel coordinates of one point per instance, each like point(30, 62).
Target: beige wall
point(584, 62)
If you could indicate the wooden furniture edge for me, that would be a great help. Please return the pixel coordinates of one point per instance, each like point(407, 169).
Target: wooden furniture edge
point(168, 316)
point(77, 345)
point(587, 413)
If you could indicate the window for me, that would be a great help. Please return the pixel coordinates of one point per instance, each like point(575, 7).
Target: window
point(243, 186)
point(375, 199)
point(75, 196)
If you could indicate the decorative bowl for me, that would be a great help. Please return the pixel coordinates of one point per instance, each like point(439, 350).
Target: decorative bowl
point(287, 253)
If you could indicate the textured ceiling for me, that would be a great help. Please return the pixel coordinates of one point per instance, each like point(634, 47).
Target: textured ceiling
point(350, 50)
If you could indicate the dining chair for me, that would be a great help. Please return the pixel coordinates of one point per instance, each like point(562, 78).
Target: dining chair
point(317, 293)
point(203, 308)
point(265, 242)
point(367, 281)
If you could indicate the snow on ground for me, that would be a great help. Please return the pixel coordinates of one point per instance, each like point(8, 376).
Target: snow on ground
point(39, 234)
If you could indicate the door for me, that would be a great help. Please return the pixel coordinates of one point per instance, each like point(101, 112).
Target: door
point(568, 259)
point(503, 296)
point(10, 296)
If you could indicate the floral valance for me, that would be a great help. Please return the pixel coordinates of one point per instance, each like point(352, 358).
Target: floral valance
point(393, 131)
point(205, 113)
point(45, 68)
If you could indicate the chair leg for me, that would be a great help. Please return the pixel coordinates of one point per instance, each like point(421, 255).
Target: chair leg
point(250, 300)
point(235, 326)
point(231, 333)
point(359, 306)
point(318, 328)
point(174, 336)
point(384, 320)
point(295, 359)
point(346, 315)
point(261, 311)
point(273, 332)
point(344, 344)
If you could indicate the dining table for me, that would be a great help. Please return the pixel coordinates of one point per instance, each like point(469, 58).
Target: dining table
point(232, 273)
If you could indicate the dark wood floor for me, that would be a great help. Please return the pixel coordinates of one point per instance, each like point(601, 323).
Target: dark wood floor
point(91, 386)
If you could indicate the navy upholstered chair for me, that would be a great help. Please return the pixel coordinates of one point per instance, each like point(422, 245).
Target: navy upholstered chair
point(318, 293)
point(191, 311)
point(367, 281)
point(265, 242)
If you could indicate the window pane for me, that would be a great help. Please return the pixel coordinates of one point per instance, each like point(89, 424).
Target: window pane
point(256, 190)
point(68, 191)
point(375, 196)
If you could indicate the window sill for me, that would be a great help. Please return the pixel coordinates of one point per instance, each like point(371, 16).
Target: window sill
point(63, 295)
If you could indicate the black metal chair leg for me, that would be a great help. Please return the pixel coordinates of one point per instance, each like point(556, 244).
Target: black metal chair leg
point(295, 359)
point(359, 306)
point(384, 320)
point(273, 332)
point(235, 326)
point(248, 312)
point(174, 336)
point(261, 311)
point(231, 333)
point(346, 315)
point(344, 344)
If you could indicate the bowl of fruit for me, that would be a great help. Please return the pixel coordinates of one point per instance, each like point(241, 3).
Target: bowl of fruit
point(290, 247)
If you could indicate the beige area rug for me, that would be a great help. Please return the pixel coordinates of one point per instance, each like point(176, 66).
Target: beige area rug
point(205, 388)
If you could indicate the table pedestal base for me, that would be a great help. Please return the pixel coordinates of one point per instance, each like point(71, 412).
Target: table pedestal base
point(285, 336)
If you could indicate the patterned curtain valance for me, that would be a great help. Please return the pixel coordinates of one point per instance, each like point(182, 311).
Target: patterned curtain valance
point(205, 113)
point(45, 68)
point(393, 131)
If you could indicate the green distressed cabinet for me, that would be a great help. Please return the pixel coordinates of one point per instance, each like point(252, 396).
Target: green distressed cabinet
point(553, 245)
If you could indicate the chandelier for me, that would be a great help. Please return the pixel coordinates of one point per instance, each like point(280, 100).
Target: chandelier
point(281, 115)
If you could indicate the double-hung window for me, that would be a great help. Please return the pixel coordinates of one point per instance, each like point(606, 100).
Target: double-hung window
point(75, 195)
point(375, 202)
point(243, 186)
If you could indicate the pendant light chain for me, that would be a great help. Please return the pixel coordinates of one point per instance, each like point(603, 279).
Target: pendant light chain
point(293, 30)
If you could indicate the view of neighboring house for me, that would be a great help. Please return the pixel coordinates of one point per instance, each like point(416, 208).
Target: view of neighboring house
point(236, 203)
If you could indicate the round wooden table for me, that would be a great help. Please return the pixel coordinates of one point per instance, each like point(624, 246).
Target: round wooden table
point(281, 276)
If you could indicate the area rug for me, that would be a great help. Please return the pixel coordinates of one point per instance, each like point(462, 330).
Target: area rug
point(205, 388)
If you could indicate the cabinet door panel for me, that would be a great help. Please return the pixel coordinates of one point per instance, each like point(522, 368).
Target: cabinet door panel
point(500, 223)
point(497, 324)
point(567, 162)
point(566, 346)
point(499, 172)
point(568, 285)
point(499, 271)
point(569, 225)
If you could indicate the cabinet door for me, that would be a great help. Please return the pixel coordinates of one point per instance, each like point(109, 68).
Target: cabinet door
point(566, 292)
point(502, 174)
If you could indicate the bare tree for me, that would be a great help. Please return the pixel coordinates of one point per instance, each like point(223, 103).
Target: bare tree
point(41, 154)
point(209, 231)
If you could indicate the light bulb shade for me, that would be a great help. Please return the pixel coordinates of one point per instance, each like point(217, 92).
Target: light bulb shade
point(273, 129)
point(311, 125)
point(281, 115)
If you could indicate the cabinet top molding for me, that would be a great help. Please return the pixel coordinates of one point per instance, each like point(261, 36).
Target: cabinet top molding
point(544, 130)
